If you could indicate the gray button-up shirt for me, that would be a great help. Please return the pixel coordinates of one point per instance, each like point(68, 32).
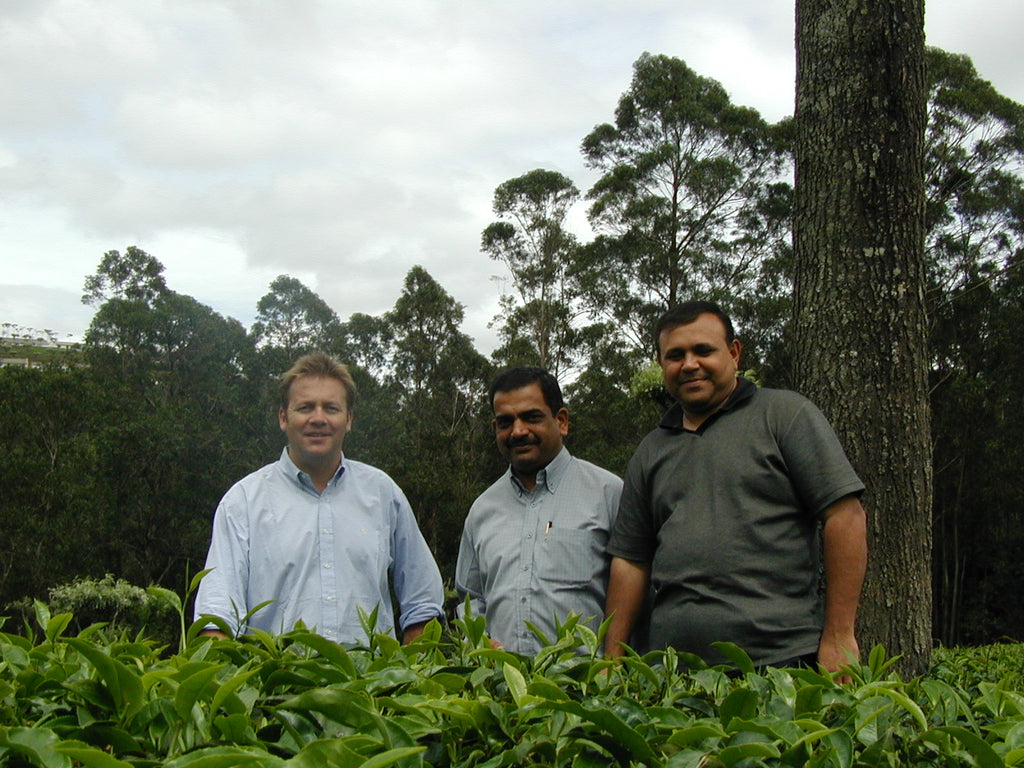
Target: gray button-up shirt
point(535, 556)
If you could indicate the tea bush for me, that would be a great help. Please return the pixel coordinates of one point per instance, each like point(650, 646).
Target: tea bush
point(298, 700)
point(116, 603)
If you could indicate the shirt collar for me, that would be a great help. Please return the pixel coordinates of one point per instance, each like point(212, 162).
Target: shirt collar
point(296, 475)
point(745, 389)
point(550, 476)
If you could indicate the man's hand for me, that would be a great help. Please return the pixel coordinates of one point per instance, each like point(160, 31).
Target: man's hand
point(627, 586)
point(834, 652)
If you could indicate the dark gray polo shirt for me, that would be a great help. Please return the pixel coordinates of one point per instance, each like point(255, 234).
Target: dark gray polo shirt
point(727, 517)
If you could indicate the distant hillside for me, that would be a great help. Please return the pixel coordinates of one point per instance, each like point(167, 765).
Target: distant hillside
point(39, 351)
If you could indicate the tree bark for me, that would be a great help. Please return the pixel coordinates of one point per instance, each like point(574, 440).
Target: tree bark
point(860, 318)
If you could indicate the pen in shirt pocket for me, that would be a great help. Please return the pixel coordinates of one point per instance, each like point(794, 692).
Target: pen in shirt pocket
point(547, 530)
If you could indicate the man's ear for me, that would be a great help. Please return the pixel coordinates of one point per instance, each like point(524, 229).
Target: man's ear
point(562, 417)
point(735, 349)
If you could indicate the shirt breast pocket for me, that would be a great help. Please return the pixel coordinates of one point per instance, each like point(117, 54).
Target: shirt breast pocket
point(572, 556)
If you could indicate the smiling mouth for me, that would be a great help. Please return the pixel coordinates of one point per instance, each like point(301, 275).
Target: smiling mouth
point(519, 445)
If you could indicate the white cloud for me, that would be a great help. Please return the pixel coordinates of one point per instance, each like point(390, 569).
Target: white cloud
point(341, 142)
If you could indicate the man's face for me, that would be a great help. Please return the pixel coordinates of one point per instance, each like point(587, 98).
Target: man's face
point(698, 365)
point(529, 435)
point(316, 421)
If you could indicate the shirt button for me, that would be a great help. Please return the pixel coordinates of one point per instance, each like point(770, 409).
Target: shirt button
point(327, 565)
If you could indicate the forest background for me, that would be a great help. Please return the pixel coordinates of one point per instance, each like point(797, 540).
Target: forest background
point(113, 457)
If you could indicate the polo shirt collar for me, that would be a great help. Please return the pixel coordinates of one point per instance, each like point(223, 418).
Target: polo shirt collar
point(745, 389)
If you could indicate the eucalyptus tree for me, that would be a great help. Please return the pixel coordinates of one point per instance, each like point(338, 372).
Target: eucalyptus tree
point(294, 319)
point(531, 239)
point(860, 314)
point(172, 428)
point(437, 432)
point(125, 289)
point(366, 341)
point(681, 208)
point(131, 276)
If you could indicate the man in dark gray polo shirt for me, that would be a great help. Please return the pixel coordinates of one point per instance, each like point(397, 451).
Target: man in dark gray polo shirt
point(721, 510)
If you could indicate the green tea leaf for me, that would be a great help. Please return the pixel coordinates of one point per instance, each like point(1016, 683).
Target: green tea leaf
point(192, 688)
point(166, 594)
point(329, 650)
point(685, 737)
point(226, 757)
point(611, 724)
point(225, 695)
point(337, 754)
point(56, 625)
point(123, 684)
point(736, 655)
point(90, 756)
point(751, 751)
point(516, 684)
point(741, 703)
point(980, 749)
point(37, 745)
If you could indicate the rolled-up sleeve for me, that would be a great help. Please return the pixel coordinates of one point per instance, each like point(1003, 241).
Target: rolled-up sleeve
point(415, 575)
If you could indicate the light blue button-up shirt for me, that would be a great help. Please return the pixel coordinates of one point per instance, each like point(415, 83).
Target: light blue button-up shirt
point(320, 557)
point(534, 556)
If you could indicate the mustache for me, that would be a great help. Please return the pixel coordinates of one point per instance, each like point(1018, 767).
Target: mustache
point(516, 442)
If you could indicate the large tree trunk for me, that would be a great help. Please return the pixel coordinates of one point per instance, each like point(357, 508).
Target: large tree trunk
point(860, 320)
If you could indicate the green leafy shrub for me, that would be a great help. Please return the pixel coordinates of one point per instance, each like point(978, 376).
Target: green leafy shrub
point(121, 606)
point(450, 699)
point(967, 667)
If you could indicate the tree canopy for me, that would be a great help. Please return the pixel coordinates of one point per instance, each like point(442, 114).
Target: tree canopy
point(113, 459)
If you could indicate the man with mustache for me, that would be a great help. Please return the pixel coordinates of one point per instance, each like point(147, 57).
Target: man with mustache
point(317, 537)
point(533, 545)
point(721, 511)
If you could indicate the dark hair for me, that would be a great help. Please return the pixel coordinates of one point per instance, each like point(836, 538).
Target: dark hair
point(686, 313)
point(321, 365)
point(525, 375)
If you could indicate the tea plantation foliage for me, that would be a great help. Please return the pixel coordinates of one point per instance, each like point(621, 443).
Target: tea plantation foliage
point(103, 698)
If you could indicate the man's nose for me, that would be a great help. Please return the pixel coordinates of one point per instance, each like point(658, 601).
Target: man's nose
point(519, 427)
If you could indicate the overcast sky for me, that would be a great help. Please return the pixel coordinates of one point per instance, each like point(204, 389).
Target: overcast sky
point(341, 142)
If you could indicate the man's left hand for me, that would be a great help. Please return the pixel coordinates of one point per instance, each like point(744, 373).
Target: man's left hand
point(834, 652)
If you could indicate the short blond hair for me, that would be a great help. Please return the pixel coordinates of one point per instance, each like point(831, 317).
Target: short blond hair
point(320, 365)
